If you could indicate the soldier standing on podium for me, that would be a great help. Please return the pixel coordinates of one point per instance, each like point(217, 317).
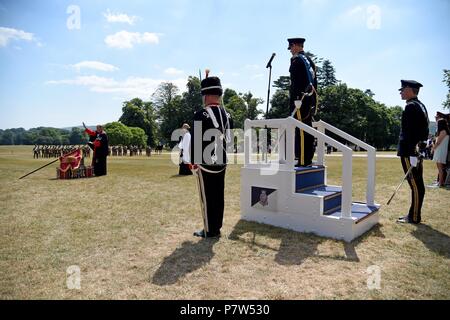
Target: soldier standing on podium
point(302, 99)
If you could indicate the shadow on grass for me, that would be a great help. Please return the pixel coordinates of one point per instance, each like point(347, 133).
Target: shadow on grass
point(176, 176)
point(434, 240)
point(186, 259)
point(295, 247)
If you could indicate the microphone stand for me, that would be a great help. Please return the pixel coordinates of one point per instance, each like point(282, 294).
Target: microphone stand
point(268, 89)
point(269, 65)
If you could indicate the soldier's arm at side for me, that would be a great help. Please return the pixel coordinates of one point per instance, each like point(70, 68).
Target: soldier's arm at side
point(409, 125)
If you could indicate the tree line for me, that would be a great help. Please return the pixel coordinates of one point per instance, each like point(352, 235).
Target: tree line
point(42, 136)
point(168, 110)
point(352, 110)
point(152, 122)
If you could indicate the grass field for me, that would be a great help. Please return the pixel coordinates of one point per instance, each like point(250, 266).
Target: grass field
point(130, 233)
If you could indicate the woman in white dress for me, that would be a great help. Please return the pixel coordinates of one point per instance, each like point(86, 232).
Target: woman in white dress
point(440, 147)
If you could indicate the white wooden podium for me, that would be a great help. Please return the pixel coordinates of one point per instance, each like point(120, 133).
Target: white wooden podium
point(298, 198)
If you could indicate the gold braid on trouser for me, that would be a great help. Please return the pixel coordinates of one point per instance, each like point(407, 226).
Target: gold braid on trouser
point(203, 203)
point(415, 191)
point(302, 140)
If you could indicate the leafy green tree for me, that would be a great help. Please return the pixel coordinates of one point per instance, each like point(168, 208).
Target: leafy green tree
point(395, 122)
point(141, 114)
point(133, 113)
point(252, 105)
point(279, 105)
point(345, 108)
point(118, 133)
point(238, 110)
point(227, 94)
point(327, 75)
point(7, 137)
point(191, 100)
point(168, 105)
point(77, 136)
point(356, 113)
point(138, 137)
point(283, 83)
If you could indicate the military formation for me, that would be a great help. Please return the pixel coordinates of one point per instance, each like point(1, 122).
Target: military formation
point(123, 151)
point(56, 151)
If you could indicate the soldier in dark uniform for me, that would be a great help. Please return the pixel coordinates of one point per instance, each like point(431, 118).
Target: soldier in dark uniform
point(414, 130)
point(98, 141)
point(303, 88)
point(209, 140)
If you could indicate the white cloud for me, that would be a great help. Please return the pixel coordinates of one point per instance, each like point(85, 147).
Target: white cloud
point(8, 34)
point(252, 67)
point(120, 17)
point(356, 16)
point(312, 3)
point(173, 71)
point(91, 81)
point(257, 76)
point(96, 65)
point(354, 11)
point(124, 39)
point(130, 87)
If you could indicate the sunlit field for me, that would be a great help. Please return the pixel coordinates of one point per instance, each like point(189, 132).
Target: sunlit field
point(130, 235)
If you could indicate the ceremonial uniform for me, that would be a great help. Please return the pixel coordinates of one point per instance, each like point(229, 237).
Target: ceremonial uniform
point(208, 155)
point(414, 129)
point(303, 80)
point(98, 141)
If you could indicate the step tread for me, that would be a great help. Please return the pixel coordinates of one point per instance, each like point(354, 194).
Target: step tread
point(360, 211)
point(308, 169)
point(324, 191)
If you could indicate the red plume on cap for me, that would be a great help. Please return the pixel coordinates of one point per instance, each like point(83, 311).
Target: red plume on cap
point(206, 73)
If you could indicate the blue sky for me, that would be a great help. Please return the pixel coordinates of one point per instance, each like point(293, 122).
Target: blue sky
point(58, 70)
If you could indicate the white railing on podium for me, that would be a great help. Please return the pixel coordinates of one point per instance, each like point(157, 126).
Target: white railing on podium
point(286, 129)
point(322, 126)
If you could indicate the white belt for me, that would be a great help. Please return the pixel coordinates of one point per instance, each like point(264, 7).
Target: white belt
point(211, 171)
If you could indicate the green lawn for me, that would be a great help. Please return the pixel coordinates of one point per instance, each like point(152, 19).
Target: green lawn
point(130, 233)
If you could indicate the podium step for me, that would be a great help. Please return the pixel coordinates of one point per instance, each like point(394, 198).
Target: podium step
point(360, 211)
point(332, 197)
point(309, 177)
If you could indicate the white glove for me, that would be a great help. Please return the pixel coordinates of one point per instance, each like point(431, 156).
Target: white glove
point(298, 103)
point(413, 161)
